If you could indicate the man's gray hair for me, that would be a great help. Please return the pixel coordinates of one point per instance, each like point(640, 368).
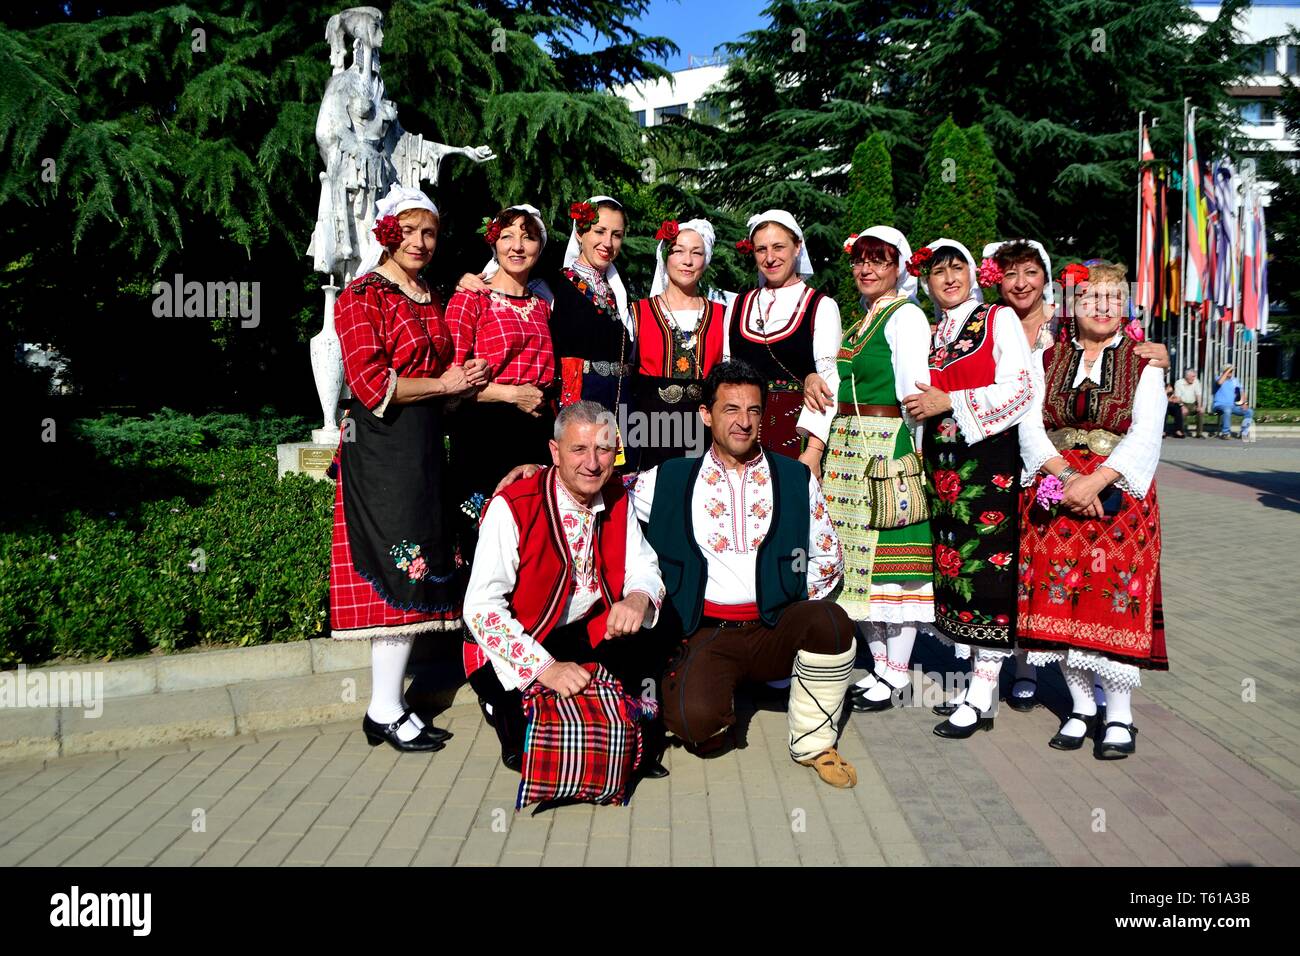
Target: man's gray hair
point(582, 413)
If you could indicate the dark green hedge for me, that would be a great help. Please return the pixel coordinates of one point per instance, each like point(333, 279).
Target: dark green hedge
point(1276, 393)
point(100, 562)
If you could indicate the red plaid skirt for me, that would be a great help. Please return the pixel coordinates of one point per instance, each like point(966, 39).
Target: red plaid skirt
point(582, 748)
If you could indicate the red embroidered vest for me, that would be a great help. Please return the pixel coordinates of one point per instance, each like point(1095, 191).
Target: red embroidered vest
point(654, 336)
point(1108, 406)
point(953, 367)
point(545, 576)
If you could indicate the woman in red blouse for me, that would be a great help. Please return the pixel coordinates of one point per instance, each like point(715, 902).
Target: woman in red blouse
point(508, 325)
point(392, 574)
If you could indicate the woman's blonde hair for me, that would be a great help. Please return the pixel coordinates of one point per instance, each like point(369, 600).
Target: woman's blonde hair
point(1109, 273)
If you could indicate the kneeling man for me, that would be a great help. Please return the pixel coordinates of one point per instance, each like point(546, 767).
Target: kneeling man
point(563, 577)
point(748, 553)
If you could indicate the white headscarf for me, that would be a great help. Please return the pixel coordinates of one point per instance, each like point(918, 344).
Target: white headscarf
point(975, 292)
point(493, 266)
point(705, 231)
point(804, 266)
point(992, 248)
point(905, 285)
point(611, 273)
point(399, 199)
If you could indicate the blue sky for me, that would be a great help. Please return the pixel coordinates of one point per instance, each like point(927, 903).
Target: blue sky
point(698, 26)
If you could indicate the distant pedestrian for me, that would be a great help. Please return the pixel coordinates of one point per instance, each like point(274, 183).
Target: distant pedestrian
point(1187, 391)
point(1229, 400)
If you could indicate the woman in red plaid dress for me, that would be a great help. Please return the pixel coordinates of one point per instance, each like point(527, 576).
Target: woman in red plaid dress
point(508, 325)
point(392, 575)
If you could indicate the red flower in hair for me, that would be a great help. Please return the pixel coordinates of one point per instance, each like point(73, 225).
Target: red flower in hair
point(746, 247)
point(989, 274)
point(491, 232)
point(388, 231)
point(848, 243)
point(668, 230)
point(583, 213)
point(919, 264)
point(1074, 274)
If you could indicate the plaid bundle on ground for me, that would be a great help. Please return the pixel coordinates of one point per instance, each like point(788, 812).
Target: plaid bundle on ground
point(582, 748)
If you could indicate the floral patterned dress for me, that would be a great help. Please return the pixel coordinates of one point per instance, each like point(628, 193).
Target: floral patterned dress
point(972, 455)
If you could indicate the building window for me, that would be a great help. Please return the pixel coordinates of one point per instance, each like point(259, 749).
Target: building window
point(1293, 60)
point(639, 115)
point(1266, 59)
point(1258, 112)
point(662, 111)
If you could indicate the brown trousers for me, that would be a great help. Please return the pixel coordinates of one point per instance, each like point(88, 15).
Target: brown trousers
point(699, 686)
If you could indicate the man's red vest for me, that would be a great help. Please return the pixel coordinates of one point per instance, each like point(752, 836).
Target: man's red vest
point(545, 577)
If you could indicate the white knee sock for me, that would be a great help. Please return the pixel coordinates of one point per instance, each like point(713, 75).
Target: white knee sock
point(1119, 706)
point(898, 646)
point(1079, 681)
point(1025, 673)
point(388, 658)
point(983, 686)
point(873, 634)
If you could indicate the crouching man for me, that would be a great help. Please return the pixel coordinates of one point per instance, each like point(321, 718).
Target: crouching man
point(563, 577)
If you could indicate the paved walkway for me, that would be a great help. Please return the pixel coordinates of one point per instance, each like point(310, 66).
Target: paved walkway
point(1214, 782)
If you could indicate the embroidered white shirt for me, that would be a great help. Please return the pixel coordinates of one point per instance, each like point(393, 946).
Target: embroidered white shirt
point(776, 307)
point(908, 333)
point(516, 657)
point(731, 512)
point(991, 409)
point(1138, 453)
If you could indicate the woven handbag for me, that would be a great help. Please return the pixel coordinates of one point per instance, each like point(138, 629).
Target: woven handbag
point(896, 492)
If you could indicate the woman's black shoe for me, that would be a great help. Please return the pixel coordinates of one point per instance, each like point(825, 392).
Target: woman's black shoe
point(653, 770)
point(1023, 704)
point(1107, 751)
point(438, 734)
point(1065, 741)
point(953, 732)
point(513, 760)
point(945, 709)
point(376, 733)
point(862, 704)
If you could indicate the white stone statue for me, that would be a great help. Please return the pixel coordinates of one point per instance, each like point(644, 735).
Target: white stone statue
point(364, 150)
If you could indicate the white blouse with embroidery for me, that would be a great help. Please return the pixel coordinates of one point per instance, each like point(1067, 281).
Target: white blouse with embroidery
point(516, 657)
point(731, 512)
point(908, 333)
point(991, 409)
point(776, 307)
point(1138, 452)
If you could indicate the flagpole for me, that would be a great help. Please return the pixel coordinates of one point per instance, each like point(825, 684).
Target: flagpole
point(1185, 346)
point(1137, 236)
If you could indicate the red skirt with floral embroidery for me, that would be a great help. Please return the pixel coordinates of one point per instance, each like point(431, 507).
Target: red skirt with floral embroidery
point(1092, 584)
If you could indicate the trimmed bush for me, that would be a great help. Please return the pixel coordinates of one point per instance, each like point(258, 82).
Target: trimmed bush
point(1277, 393)
point(184, 548)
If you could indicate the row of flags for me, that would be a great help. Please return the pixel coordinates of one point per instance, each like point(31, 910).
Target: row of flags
point(1227, 245)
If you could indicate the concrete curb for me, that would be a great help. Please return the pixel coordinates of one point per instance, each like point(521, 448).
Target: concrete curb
point(161, 701)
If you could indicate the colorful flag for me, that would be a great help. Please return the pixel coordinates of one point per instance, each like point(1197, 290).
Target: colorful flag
point(1195, 213)
point(1146, 264)
point(1254, 266)
point(1225, 245)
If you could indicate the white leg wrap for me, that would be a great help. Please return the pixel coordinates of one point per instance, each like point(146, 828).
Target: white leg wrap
point(816, 701)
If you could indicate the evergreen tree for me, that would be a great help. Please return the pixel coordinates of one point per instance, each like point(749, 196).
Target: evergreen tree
point(135, 148)
point(870, 202)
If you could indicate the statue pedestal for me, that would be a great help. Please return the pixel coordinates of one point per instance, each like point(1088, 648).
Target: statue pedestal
point(307, 457)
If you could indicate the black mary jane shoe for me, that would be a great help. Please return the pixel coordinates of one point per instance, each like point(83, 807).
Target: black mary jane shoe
point(513, 760)
point(953, 732)
point(947, 708)
point(376, 733)
point(1065, 741)
point(1023, 704)
point(862, 704)
point(1107, 751)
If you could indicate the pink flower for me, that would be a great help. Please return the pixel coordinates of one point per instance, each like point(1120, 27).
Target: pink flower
point(1134, 331)
point(1135, 587)
point(1049, 492)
